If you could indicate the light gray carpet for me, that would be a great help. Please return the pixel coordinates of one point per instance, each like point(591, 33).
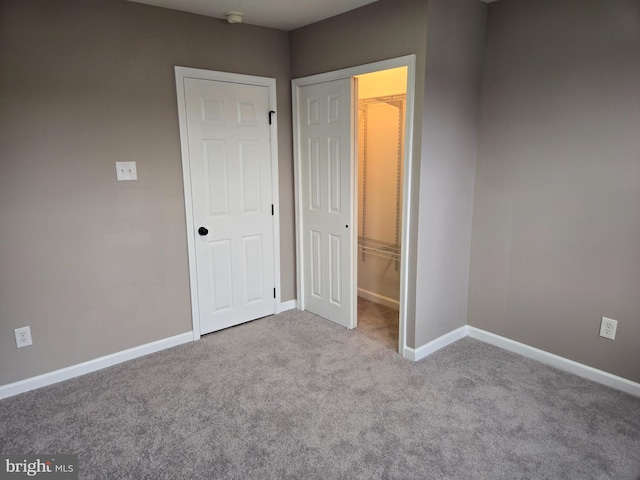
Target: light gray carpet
point(296, 397)
point(378, 323)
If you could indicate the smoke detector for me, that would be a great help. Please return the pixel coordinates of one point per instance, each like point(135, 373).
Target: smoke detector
point(234, 17)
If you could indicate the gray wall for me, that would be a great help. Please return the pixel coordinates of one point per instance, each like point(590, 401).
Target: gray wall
point(378, 31)
point(96, 266)
point(556, 226)
point(455, 46)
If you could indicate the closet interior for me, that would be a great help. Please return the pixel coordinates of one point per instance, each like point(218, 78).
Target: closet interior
point(381, 131)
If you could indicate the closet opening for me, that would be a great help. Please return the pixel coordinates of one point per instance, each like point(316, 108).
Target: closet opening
point(381, 114)
point(372, 246)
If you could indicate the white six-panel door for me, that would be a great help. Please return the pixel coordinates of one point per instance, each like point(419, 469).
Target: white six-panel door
point(231, 188)
point(324, 146)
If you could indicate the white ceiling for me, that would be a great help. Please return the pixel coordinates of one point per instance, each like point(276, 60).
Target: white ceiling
point(280, 14)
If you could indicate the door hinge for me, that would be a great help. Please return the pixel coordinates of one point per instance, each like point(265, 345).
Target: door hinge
point(271, 112)
point(274, 292)
point(272, 209)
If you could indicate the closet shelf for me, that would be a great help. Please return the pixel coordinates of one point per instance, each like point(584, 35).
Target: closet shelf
point(379, 248)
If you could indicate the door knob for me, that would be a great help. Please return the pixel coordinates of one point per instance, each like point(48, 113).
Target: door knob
point(203, 231)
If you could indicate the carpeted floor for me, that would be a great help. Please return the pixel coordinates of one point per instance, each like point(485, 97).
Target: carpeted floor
point(296, 397)
point(379, 323)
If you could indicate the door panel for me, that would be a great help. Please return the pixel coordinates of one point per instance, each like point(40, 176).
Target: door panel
point(250, 176)
point(325, 126)
point(335, 270)
point(216, 178)
point(220, 273)
point(231, 186)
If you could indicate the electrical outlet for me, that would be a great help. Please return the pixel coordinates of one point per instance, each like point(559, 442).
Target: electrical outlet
point(23, 337)
point(608, 328)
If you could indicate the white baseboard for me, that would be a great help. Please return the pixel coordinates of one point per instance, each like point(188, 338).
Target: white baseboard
point(379, 299)
point(92, 365)
point(288, 305)
point(556, 361)
point(435, 345)
point(547, 358)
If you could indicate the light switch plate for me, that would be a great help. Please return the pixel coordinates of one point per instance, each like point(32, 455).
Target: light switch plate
point(126, 171)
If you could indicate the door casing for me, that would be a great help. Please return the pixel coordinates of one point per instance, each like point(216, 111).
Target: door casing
point(405, 61)
point(185, 72)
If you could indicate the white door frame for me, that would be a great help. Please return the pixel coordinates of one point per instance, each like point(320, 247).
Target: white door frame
point(408, 61)
point(185, 72)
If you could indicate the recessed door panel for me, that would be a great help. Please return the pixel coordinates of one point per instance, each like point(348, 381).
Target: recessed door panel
point(247, 114)
point(250, 175)
point(335, 175)
point(314, 174)
point(252, 251)
point(212, 110)
point(316, 264)
point(222, 285)
point(313, 112)
point(333, 109)
point(216, 177)
point(335, 269)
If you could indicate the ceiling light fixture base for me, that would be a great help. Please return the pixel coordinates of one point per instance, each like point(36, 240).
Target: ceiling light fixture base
point(234, 17)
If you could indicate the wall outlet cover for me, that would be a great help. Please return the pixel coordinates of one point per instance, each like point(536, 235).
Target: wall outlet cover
point(23, 337)
point(608, 328)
